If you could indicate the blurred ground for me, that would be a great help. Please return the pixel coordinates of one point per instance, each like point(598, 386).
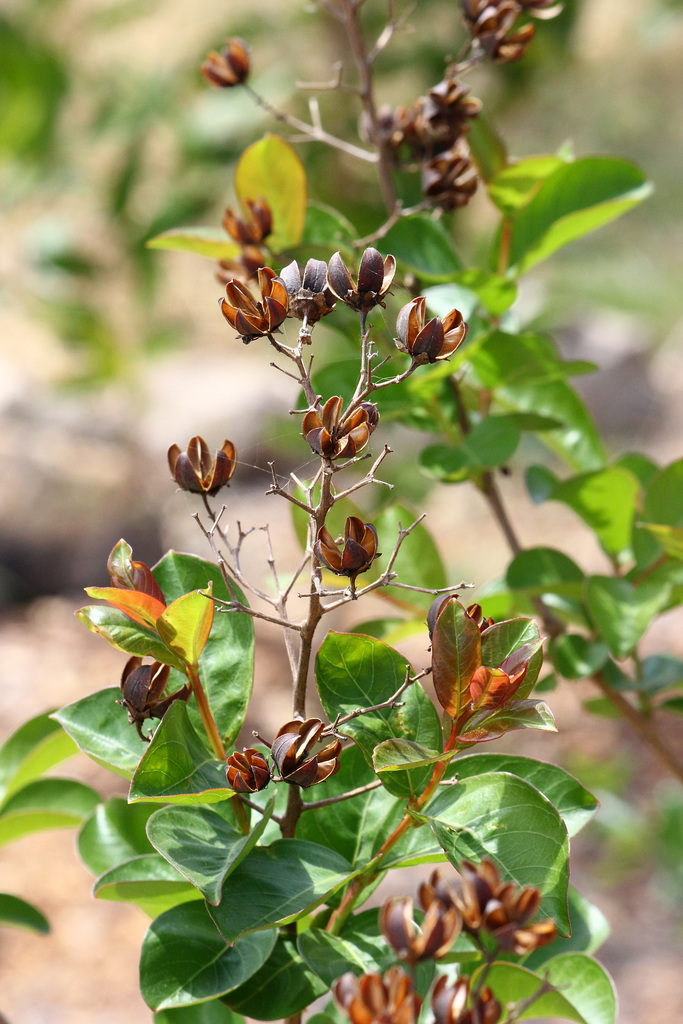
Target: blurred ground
point(81, 466)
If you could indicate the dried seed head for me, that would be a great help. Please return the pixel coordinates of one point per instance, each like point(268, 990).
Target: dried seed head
point(253, 318)
point(252, 229)
point(428, 342)
point(335, 436)
point(440, 928)
point(358, 552)
point(372, 998)
point(375, 276)
point(309, 297)
point(141, 689)
point(449, 179)
point(303, 757)
point(453, 1004)
point(248, 772)
point(196, 470)
point(228, 68)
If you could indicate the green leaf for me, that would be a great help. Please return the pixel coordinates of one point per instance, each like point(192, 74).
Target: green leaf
point(622, 612)
point(45, 804)
point(537, 572)
point(419, 562)
point(583, 991)
point(147, 880)
point(114, 832)
point(606, 502)
point(515, 185)
point(670, 537)
point(346, 826)
point(641, 467)
point(202, 844)
point(185, 625)
point(502, 639)
point(495, 293)
point(540, 483)
point(270, 169)
point(126, 635)
point(212, 242)
point(423, 246)
point(487, 147)
point(36, 746)
point(278, 884)
point(442, 298)
point(357, 672)
point(456, 655)
point(501, 816)
point(328, 229)
point(184, 960)
point(578, 442)
point(516, 714)
point(574, 200)
point(575, 657)
point(361, 948)
point(282, 987)
point(590, 928)
point(100, 728)
point(663, 502)
point(394, 755)
point(575, 804)
point(659, 672)
point(212, 1012)
point(226, 666)
point(21, 914)
point(143, 609)
point(509, 359)
point(178, 767)
point(492, 441)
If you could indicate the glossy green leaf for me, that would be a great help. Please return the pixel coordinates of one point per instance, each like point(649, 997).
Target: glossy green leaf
point(575, 804)
point(184, 960)
point(100, 728)
point(492, 441)
point(449, 464)
point(487, 147)
point(663, 502)
point(126, 635)
point(670, 537)
point(357, 671)
point(502, 639)
point(282, 987)
point(536, 572)
point(422, 245)
point(641, 467)
point(575, 657)
point(348, 826)
point(142, 608)
point(114, 832)
point(396, 754)
point(502, 816)
point(606, 502)
point(578, 442)
point(327, 229)
point(203, 843)
point(515, 185)
point(148, 881)
point(583, 991)
point(226, 666)
point(270, 169)
point(456, 655)
point(31, 750)
point(622, 612)
point(529, 358)
point(21, 914)
point(278, 884)
point(178, 766)
point(186, 623)
point(211, 1012)
point(45, 804)
point(659, 672)
point(574, 200)
point(590, 928)
point(515, 714)
point(212, 242)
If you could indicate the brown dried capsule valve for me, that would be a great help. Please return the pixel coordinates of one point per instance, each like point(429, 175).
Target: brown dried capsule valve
point(358, 552)
point(247, 772)
point(254, 318)
point(453, 1004)
point(339, 437)
point(141, 690)
point(302, 755)
point(428, 342)
point(250, 230)
point(228, 68)
point(196, 470)
point(309, 297)
point(372, 998)
point(375, 276)
point(440, 928)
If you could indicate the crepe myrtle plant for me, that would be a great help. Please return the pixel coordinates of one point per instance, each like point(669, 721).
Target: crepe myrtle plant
point(257, 856)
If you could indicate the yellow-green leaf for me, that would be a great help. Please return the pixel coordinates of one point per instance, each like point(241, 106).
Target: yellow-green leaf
point(270, 169)
point(212, 242)
point(185, 625)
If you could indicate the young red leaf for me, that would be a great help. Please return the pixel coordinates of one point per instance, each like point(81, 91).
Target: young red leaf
point(129, 575)
point(141, 608)
point(456, 655)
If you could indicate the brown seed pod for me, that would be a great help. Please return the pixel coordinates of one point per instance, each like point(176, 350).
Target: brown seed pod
point(196, 470)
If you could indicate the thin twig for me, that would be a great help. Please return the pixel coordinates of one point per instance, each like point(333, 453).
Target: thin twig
point(392, 702)
point(227, 607)
point(314, 804)
point(255, 807)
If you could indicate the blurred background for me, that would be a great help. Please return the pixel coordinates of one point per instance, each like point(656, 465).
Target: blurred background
point(110, 352)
